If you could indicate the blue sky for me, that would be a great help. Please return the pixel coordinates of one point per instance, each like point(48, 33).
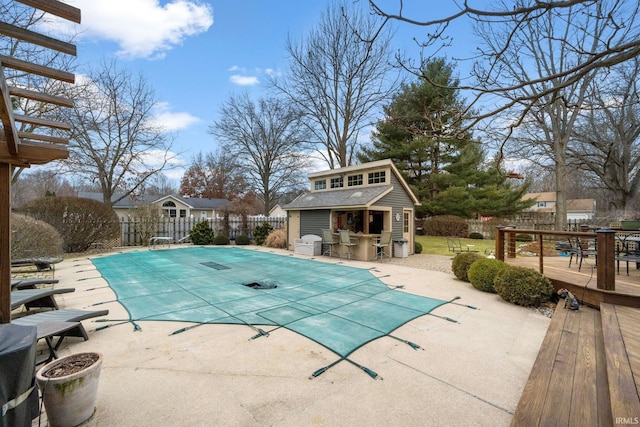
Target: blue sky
point(197, 53)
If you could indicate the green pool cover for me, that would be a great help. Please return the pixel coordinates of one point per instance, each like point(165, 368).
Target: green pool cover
point(337, 306)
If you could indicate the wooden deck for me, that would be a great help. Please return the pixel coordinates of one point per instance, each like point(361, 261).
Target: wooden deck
point(587, 370)
point(582, 283)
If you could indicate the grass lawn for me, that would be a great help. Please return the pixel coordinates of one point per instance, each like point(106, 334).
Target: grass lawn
point(438, 245)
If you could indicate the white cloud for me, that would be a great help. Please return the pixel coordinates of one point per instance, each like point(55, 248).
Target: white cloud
point(144, 28)
point(172, 121)
point(244, 80)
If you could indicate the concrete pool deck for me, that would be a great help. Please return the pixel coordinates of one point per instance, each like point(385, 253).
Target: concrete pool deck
point(467, 373)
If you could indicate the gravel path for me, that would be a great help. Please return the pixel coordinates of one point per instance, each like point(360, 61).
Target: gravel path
point(428, 262)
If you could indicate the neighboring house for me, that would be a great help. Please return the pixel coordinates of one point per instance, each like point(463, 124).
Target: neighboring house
point(277, 211)
point(365, 199)
point(546, 203)
point(173, 205)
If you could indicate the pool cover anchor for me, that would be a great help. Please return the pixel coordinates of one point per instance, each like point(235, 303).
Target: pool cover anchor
point(324, 369)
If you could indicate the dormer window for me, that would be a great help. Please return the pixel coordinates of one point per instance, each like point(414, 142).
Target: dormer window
point(337, 182)
point(377, 177)
point(353, 180)
point(320, 184)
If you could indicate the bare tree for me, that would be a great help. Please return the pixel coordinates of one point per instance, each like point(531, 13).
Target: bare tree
point(114, 141)
point(542, 47)
point(214, 176)
point(266, 140)
point(338, 76)
point(39, 183)
point(618, 41)
point(606, 139)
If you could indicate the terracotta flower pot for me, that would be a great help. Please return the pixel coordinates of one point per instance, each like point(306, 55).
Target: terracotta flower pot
point(69, 387)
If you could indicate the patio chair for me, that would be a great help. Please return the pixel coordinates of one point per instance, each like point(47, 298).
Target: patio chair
point(585, 249)
point(31, 283)
point(382, 243)
point(347, 242)
point(455, 246)
point(38, 298)
point(328, 241)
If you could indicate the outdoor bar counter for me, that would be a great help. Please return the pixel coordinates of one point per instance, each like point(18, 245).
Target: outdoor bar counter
point(364, 250)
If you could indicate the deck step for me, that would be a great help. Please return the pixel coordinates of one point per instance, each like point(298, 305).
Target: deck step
point(622, 349)
point(568, 384)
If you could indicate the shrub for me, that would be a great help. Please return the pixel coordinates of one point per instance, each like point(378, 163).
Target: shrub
point(475, 235)
point(201, 233)
point(261, 232)
point(522, 286)
point(33, 238)
point(522, 237)
point(277, 239)
point(221, 239)
point(446, 225)
point(79, 221)
point(243, 239)
point(482, 272)
point(462, 262)
point(417, 247)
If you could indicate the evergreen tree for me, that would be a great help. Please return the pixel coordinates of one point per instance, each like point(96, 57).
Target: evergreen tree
point(446, 169)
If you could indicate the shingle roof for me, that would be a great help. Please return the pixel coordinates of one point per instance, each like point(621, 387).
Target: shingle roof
point(339, 198)
point(130, 202)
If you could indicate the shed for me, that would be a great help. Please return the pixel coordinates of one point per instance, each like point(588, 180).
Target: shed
point(365, 199)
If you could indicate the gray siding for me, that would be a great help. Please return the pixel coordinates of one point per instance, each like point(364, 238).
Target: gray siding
point(311, 222)
point(397, 200)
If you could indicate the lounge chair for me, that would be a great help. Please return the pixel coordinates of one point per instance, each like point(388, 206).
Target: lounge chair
point(48, 331)
point(31, 283)
point(39, 298)
point(64, 315)
point(41, 263)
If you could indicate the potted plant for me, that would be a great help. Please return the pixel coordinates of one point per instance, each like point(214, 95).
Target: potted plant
point(69, 387)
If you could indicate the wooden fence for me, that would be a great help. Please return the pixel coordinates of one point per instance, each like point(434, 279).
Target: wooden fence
point(137, 232)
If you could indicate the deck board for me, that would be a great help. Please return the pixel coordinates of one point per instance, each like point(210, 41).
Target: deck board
point(622, 386)
point(568, 382)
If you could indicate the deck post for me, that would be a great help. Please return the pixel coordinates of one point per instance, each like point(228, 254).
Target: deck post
point(500, 242)
point(606, 253)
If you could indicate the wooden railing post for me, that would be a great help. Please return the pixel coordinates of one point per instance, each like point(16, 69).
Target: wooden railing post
point(606, 253)
point(500, 242)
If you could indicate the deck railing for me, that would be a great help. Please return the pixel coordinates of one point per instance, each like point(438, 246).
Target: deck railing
point(605, 246)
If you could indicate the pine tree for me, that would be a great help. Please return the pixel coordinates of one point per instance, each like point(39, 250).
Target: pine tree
point(445, 167)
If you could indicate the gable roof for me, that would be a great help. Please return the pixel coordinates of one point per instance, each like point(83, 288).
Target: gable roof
point(132, 202)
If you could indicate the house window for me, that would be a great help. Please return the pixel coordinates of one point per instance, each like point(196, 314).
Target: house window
point(169, 207)
point(337, 182)
point(353, 180)
point(542, 204)
point(405, 225)
point(320, 184)
point(377, 177)
point(183, 213)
